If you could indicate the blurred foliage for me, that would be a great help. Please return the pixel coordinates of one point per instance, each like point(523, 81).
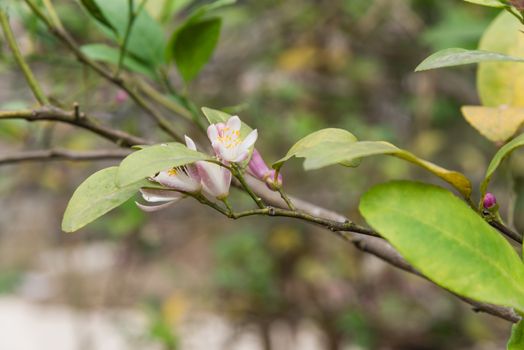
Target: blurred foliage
point(288, 68)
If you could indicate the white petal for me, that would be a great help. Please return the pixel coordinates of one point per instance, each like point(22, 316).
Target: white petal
point(181, 181)
point(212, 133)
point(250, 139)
point(189, 143)
point(155, 196)
point(234, 123)
point(152, 208)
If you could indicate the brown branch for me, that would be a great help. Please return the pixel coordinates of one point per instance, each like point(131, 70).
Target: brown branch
point(150, 109)
point(506, 231)
point(80, 120)
point(372, 245)
point(62, 154)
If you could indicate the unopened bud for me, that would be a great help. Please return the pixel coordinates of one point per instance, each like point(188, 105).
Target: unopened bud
point(489, 201)
point(259, 169)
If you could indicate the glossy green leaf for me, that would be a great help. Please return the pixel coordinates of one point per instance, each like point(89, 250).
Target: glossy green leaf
point(459, 57)
point(318, 143)
point(104, 53)
point(490, 3)
point(92, 7)
point(151, 160)
point(192, 45)
point(447, 241)
point(96, 196)
point(146, 41)
point(516, 341)
point(502, 154)
point(327, 153)
point(502, 83)
point(215, 116)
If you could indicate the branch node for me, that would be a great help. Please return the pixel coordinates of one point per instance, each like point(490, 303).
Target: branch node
point(271, 211)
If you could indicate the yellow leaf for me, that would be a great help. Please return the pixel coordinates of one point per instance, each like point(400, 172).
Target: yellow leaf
point(502, 83)
point(497, 124)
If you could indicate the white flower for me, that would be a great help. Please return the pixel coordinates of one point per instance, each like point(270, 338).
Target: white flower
point(214, 178)
point(227, 143)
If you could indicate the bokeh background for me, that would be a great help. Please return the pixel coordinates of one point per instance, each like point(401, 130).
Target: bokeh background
point(187, 278)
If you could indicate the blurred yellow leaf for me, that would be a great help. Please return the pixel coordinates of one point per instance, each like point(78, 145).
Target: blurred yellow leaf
point(497, 124)
point(502, 83)
point(298, 58)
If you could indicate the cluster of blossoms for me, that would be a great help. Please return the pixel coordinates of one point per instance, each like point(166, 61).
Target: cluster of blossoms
point(210, 179)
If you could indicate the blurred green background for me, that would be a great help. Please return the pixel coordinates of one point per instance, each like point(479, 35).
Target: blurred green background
point(186, 278)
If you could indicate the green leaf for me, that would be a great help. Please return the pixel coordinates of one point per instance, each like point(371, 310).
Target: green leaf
point(490, 3)
point(95, 197)
point(447, 241)
point(323, 154)
point(502, 83)
point(151, 160)
point(215, 116)
point(104, 53)
point(516, 341)
point(502, 154)
point(92, 7)
point(192, 45)
point(318, 143)
point(458, 57)
point(146, 40)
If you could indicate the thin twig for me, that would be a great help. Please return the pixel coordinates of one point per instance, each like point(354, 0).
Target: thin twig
point(61, 154)
point(508, 232)
point(64, 36)
point(119, 137)
point(28, 74)
point(130, 21)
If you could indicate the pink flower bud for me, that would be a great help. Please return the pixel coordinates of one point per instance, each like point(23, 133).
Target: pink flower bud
point(489, 200)
point(259, 169)
point(121, 96)
point(257, 166)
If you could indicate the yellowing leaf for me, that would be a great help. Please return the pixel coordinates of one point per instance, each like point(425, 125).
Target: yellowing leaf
point(502, 83)
point(497, 124)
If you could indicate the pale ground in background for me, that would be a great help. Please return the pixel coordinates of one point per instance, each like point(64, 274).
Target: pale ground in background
point(31, 326)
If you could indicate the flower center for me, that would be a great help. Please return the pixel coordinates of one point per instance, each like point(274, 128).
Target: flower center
point(229, 138)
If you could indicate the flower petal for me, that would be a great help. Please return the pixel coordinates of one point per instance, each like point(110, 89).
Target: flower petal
point(234, 123)
point(250, 139)
point(152, 208)
point(181, 181)
point(212, 133)
point(190, 143)
point(155, 196)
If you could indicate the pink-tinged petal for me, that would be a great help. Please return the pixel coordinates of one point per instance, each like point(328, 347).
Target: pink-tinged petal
point(190, 143)
point(220, 128)
point(257, 167)
point(212, 133)
point(152, 208)
point(215, 179)
point(155, 196)
point(234, 123)
point(179, 181)
point(240, 156)
point(250, 139)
